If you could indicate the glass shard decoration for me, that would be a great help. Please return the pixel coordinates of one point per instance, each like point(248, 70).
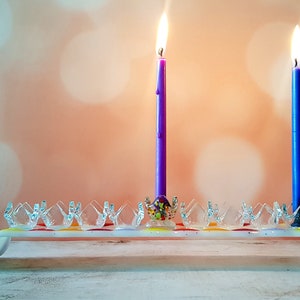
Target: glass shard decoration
point(93, 216)
point(126, 216)
point(193, 215)
point(59, 216)
point(23, 216)
point(161, 212)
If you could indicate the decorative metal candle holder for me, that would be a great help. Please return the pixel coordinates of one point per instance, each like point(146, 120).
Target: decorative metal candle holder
point(161, 212)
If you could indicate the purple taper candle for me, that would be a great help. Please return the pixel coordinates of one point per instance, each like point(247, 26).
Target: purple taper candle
point(161, 115)
point(296, 120)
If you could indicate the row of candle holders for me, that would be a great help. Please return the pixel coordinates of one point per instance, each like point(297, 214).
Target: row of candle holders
point(193, 215)
point(260, 216)
point(60, 216)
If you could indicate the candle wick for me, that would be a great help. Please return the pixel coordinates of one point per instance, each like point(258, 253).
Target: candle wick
point(296, 63)
point(160, 51)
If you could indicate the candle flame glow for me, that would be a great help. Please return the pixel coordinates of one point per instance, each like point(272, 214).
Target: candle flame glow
point(162, 35)
point(296, 45)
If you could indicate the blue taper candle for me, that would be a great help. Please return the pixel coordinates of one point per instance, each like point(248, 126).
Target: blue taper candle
point(296, 136)
point(296, 120)
point(161, 110)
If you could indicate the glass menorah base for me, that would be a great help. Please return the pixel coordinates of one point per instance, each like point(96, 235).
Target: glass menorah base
point(166, 224)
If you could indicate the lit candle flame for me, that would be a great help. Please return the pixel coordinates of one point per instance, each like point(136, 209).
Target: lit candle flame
point(296, 45)
point(162, 35)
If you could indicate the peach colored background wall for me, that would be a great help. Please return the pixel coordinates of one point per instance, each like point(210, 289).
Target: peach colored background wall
point(77, 100)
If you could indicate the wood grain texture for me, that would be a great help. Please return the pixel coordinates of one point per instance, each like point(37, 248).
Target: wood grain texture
point(126, 269)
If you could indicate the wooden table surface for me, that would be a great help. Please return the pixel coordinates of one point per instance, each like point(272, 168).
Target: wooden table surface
point(151, 269)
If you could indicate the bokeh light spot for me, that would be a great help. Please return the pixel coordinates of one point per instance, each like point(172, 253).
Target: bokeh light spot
point(10, 173)
point(269, 62)
point(79, 5)
point(5, 22)
point(234, 107)
point(92, 68)
point(229, 170)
